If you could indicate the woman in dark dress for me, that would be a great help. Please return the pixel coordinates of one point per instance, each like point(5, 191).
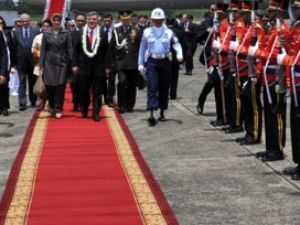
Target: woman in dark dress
point(56, 55)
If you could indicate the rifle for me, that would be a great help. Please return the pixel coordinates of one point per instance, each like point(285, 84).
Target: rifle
point(294, 82)
point(204, 47)
point(280, 72)
point(218, 61)
point(251, 60)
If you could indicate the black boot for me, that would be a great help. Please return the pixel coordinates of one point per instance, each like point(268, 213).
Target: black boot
point(291, 170)
point(151, 119)
point(162, 116)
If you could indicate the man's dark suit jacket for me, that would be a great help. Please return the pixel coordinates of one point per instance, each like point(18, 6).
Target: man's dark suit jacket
point(88, 66)
point(111, 59)
point(21, 52)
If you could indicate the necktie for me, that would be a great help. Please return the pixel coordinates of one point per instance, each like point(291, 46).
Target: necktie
point(91, 37)
point(107, 34)
point(26, 36)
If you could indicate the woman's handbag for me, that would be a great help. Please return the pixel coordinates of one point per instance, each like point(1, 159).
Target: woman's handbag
point(39, 88)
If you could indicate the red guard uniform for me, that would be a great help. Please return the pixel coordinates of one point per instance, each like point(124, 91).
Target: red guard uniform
point(293, 47)
point(275, 119)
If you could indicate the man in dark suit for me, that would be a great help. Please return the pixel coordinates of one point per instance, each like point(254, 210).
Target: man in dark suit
point(3, 60)
point(171, 23)
point(126, 47)
point(22, 42)
point(189, 30)
point(109, 83)
point(89, 62)
point(80, 20)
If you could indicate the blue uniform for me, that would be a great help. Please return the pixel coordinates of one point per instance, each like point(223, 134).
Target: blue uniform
point(155, 53)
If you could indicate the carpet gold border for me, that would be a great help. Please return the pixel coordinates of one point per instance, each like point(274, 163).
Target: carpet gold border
point(144, 196)
point(21, 199)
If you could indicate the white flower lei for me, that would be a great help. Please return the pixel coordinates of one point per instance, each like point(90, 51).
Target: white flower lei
point(84, 41)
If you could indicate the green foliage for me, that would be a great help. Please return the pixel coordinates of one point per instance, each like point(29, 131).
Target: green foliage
point(21, 7)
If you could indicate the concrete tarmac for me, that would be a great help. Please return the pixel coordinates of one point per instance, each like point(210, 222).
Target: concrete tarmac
point(206, 177)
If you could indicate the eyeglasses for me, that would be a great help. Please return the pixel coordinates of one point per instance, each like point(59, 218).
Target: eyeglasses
point(82, 21)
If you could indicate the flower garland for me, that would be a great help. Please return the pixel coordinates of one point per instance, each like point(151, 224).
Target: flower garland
point(84, 41)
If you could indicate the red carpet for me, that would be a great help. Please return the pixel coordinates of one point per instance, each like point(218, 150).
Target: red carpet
point(76, 171)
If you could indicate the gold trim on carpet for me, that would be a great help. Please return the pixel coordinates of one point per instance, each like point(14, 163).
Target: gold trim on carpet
point(149, 208)
point(21, 199)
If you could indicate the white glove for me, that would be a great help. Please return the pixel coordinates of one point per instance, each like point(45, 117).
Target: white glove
point(233, 45)
point(13, 70)
point(142, 70)
point(254, 80)
point(179, 57)
point(216, 44)
point(280, 58)
point(123, 43)
point(252, 50)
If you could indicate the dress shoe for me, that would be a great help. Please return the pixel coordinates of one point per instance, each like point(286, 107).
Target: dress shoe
point(75, 108)
point(84, 114)
point(96, 117)
point(122, 110)
point(110, 104)
point(199, 108)
point(261, 154)
point(250, 141)
point(217, 123)
point(151, 121)
point(296, 176)
point(173, 97)
point(33, 105)
point(22, 108)
point(232, 130)
point(162, 119)
point(58, 115)
point(130, 110)
point(291, 171)
point(238, 140)
point(5, 112)
point(271, 157)
point(225, 128)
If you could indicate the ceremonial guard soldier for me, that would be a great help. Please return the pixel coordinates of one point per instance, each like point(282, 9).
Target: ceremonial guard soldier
point(157, 41)
point(221, 60)
point(274, 102)
point(251, 103)
point(237, 68)
point(212, 68)
point(126, 47)
point(291, 61)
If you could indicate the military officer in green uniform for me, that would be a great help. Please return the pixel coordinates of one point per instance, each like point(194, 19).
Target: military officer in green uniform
point(125, 50)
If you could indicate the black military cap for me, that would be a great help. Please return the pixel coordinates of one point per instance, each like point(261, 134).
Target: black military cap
point(125, 15)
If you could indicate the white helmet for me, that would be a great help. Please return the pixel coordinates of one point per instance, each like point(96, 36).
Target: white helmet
point(158, 14)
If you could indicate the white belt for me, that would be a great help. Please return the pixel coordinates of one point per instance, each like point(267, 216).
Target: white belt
point(273, 67)
point(297, 74)
point(159, 56)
